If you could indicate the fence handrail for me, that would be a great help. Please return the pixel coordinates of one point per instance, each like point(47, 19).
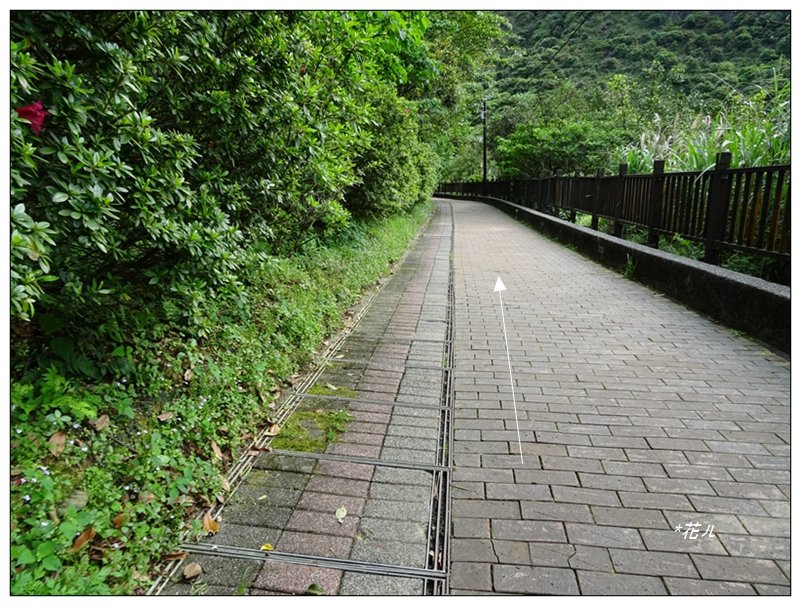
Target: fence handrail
point(744, 209)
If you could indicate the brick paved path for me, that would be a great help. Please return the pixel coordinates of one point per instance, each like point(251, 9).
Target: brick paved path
point(637, 415)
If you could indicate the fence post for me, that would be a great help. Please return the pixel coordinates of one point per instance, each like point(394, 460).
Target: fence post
point(717, 212)
point(596, 199)
point(555, 210)
point(656, 195)
point(619, 194)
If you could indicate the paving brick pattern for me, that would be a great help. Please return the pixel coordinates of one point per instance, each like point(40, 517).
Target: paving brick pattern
point(637, 415)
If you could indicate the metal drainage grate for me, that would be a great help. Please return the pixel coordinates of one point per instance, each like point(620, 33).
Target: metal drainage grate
point(439, 527)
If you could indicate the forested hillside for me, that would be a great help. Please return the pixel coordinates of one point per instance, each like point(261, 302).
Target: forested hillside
point(196, 198)
point(581, 90)
point(702, 52)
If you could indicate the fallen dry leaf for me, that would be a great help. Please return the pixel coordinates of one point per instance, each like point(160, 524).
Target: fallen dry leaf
point(81, 540)
point(209, 524)
point(331, 387)
point(267, 546)
point(101, 422)
point(179, 555)
point(145, 497)
point(78, 498)
point(217, 451)
point(315, 589)
point(97, 553)
point(262, 497)
point(136, 575)
point(273, 430)
point(57, 441)
point(192, 570)
point(226, 484)
point(165, 416)
point(119, 520)
point(188, 375)
point(341, 513)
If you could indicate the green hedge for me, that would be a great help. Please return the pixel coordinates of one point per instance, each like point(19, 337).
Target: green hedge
point(174, 139)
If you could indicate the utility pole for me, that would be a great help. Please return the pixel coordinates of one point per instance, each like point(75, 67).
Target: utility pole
point(483, 116)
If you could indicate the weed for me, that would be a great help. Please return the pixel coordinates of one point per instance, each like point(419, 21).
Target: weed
point(682, 246)
point(320, 389)
point(311, 430)
point(635, 234)
point(630, 267)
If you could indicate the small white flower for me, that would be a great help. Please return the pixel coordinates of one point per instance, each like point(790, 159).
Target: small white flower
point(85, 448)
point(45, 523)
point(23, 480)
point(72, 442)
point(145, 432)
point(45, 470)
point(26, 498)
point(124, 379)
point(19, 431)
point(75, 425)
point(34, 480)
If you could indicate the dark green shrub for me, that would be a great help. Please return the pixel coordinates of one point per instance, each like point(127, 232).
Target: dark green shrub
point(391, 167)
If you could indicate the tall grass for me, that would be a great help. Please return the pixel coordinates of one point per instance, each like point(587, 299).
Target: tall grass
point(754, 129)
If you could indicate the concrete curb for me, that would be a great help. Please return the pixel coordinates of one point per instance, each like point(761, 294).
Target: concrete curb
point(755, 306)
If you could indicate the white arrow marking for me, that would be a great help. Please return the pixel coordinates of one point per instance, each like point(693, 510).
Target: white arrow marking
point(499, 287)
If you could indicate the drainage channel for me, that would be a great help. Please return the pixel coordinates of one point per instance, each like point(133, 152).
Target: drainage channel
point(419, 406)
point(418, 466)
point(380, 569)
point(439, 527)
point(371, 365)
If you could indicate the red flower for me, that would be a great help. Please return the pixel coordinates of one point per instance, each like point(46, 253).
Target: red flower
point(35, 114)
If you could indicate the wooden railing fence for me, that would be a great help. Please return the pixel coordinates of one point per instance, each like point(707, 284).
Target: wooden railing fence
point(745, 209)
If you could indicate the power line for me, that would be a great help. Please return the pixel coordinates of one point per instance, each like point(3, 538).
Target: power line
point(575, 31)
